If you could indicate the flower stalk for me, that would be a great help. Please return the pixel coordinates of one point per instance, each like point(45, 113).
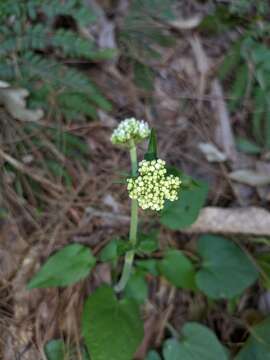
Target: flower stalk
point(133, 226)
point(148, 187)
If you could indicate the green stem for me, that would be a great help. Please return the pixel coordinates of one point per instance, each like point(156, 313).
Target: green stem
point(133, 227)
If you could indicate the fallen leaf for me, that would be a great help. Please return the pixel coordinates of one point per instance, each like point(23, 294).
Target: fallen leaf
point(250, 177)
point(186, 24)
point(211, 152)
point(248, 220)
point(13, 99)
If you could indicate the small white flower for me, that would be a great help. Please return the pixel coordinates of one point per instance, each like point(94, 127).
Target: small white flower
point(130, 129)
point(153, 186)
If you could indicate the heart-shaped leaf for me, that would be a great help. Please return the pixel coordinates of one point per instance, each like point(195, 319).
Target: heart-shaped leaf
point(137, 288)
point(55, 350)
point(58, 350)
point(257, 347)
point(198, 343)
point(183, 212)
point(178, 269)
point(65, 267)
point(112, 329)
point(152, 355)
point(226, 270)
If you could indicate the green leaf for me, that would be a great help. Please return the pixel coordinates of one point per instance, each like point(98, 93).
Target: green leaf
point(143, 76)
point(152, 355)
point(231, 61)
point(58, 350)
point(267, 129)
point(220, 21)
point(180, 214)
point(137, 288)
point(178, 269)
point(148, 243)
point(152, 147)
point(148, 266)
point(222, 262)
point(55, 350)
point(198, 343)
point(260, 108)
point(239, 87)
point(59, 171)
point(248, 146)
point(67, 266)
point(109, 252)
point(257, 347)
point(264, 263)
point(69, 140)
point(112, 329)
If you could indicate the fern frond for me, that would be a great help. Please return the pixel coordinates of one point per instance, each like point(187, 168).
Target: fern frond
point(30, 53)
point(72, 44)
point(77, 102)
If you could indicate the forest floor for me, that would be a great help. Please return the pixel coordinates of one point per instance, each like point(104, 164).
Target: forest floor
point(188, 107)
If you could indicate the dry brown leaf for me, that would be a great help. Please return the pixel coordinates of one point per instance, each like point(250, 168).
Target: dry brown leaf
point(250, 177)
point(248, 220)
point(211, 152)
point(186, 24)
point(14, 101)
point(224, 133)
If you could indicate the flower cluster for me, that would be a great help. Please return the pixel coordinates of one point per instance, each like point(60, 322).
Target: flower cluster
point(130, 129)
point(153, 185)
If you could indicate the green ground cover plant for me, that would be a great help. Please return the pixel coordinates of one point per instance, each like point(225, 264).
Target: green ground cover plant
point(219, 269)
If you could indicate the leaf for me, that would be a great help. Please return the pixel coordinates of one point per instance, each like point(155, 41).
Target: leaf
point(152, 355)
point(148, 266)
point(211, 152)
point(109, 252)
point(198, 343)
point(221, 20)
point(59, 171)
point(76, 142)
point(260, 109)
point(250, 177)
point(222, 262)
point(239, 87)
point(137, 288)
point(178, 269)
point(257, 347)
point(248, 146)
point(148, 243)
point(67, 266)
point(231, 61)
point(114, 249)
point(152, 147)
point(14, 102)
point(112, 329)
point(183, 212)
point(143, 76)
point(263, 261)
point(267, 129)
point(55, 350)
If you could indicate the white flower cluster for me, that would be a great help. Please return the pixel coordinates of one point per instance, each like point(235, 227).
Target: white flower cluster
point(130, 129)
point(153, 186)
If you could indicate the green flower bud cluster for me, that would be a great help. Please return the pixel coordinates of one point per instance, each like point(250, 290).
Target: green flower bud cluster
point(153, 185)
point(130, 129)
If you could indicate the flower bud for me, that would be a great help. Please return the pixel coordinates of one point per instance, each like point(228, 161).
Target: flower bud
point(153, 186)
point(130, 130)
